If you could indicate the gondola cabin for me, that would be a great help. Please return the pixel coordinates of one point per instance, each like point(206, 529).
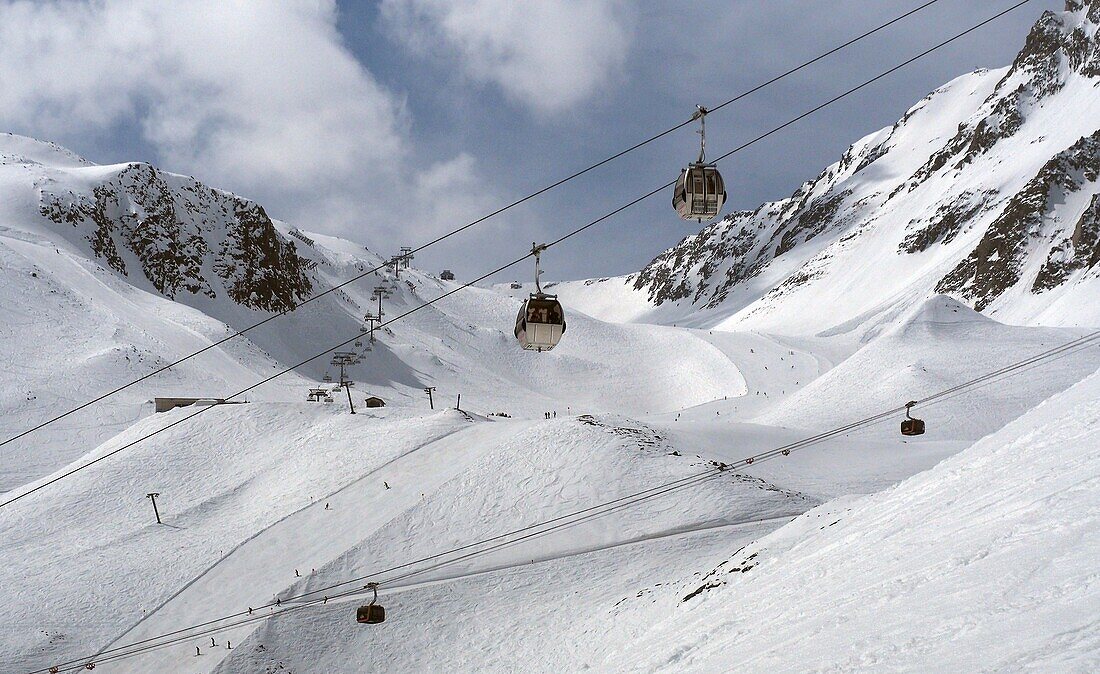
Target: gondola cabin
point(911, 425)
point(540, 323)
point(371, 614)
point(700, 193)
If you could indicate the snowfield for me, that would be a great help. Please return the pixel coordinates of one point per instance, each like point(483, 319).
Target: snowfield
point(985, 562)
point(590, 508)
point(279, 497)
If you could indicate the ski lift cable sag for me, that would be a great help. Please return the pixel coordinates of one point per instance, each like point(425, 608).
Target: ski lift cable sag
point(471, 224)
point(286, 606)
point(564, 237)
point(571, 519)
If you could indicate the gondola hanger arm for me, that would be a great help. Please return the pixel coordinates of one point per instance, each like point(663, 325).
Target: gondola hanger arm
point(701, 115)
point(536, 250)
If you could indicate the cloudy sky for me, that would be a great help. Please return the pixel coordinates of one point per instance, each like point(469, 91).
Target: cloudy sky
point(393, 121)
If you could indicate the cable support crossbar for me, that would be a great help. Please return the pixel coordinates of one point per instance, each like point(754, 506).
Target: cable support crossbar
point(570, 519)
point(473, 223)
point(527, 255)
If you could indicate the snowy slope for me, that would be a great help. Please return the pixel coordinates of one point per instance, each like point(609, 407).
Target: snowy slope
point(244, 494)
point(80, 321)
point(260, 490)
point(239, 473)
point(853, 296)
point(986, 562)
point(983, 563)
point(948, 569)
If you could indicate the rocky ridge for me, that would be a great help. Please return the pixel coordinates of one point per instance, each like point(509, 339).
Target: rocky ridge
point(182, 236)
point(965, 199)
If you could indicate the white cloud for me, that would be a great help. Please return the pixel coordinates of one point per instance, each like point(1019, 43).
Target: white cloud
point(469, 198)
point(261, 98)
point(548, 55)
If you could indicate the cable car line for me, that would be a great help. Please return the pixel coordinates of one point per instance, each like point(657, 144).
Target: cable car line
point(285, 608)
point(520, 259)
point(878, 77)
point(818, 108)
point(693, 480)
point(473, 223)
point(524, 257)
point(357, 590)
point(1054, 353)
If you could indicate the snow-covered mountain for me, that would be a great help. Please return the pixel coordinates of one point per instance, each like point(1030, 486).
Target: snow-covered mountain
point(113, 271)
point(988, 189)
point(901, 271)
point(162, 230)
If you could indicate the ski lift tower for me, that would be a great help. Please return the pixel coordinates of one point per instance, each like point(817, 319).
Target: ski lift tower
point(371, 320)
point(406, 256)
point(379, 293)
point(342, 359)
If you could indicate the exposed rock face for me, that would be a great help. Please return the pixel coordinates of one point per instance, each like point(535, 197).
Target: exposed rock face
point(258, 266)
point(996, 263)
point(1079, 251)
point(993, 179)
point(184, 237)
point(948, 220)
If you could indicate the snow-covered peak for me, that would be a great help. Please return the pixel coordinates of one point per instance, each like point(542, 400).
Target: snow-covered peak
point(161, 231)
point(985, 190)
point(16, 149)
point(1061, 43)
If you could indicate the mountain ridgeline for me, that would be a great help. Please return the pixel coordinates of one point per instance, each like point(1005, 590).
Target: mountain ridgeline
point(987, 190)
